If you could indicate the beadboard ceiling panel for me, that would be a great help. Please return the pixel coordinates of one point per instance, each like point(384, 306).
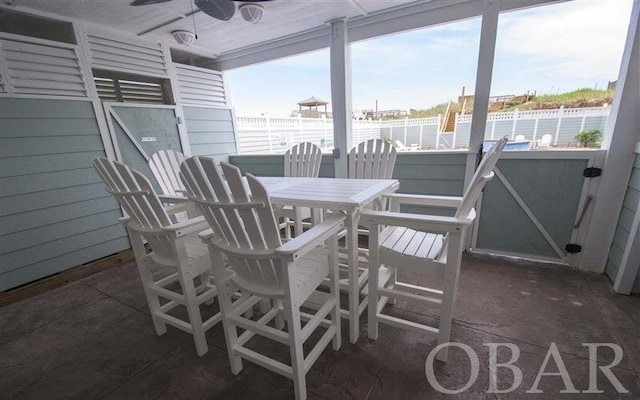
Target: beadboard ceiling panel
point(155, 22)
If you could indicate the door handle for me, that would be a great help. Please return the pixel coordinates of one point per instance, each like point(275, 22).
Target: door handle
point(585, 207)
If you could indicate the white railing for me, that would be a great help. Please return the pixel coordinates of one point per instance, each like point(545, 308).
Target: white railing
point(269, 135)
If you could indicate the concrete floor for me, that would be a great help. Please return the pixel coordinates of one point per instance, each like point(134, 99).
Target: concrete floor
point(94, 339)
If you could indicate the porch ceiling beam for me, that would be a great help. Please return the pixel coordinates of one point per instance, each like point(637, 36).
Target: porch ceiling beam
point(398, 19)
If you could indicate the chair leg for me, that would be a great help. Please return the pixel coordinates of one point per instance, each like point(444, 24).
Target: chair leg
point(374, 268)
point(224, 299)
point(142, 261)
point(334, 289)
point(297, 221)
point(287, 228)
point(152, 299)
point(195, 319)
point(280, 316)
point(292, 314)
point(392, 284)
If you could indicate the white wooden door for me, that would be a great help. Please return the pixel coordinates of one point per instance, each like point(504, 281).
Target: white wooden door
point(538, 205)
point(137, 131)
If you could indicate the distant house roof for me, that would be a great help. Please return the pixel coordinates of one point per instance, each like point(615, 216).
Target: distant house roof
point(312, 101)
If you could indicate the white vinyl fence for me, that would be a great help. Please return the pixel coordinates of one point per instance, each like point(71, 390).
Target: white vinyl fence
point(269, 135)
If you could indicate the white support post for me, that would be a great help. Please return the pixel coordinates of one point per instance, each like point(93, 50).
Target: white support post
point(621, 136)
point(406, 127)
point(486, 51)
point(421, 131)
point(340, 54)
point(560, 115)
point(268, 123)
point(300, 128)
point(535, 128)
point(515, 122)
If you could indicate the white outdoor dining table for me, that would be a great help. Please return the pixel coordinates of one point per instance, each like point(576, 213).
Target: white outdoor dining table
point(344, 195)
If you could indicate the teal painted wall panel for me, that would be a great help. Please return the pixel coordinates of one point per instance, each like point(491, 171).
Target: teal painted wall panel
point(52, 215)
point(56, 264)
point(504, 226)
point(28, 165)
point(54, 211)
point(418, 173)
point(210, 132)
point(17, 127)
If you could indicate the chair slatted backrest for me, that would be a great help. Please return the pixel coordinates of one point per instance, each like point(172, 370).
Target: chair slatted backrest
point(373, 159)
point(141, 204)
point(165, 166)
point(244, 226)
point(483, 174)
point(303, 160)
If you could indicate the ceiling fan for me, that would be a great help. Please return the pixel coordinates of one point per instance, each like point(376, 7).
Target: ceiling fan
point(218, 9)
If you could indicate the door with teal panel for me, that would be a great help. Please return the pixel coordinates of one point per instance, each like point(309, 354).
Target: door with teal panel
point(537, 206)
point(138, 131)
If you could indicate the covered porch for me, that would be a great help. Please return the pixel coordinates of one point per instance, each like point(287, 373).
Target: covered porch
point(552, 258)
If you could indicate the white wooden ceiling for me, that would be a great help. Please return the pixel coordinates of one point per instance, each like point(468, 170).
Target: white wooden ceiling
point(281, 18)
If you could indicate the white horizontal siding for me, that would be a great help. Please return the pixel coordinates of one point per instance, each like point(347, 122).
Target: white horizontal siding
point(200, 86)
point(30, 68)
point(131, 56)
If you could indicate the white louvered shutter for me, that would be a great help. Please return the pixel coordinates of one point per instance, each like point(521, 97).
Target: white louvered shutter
point(126, 56)
point(200, 86)
point(41, 69)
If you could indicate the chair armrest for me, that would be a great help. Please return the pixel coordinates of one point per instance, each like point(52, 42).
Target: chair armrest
point(167, 199)
point(425, 200)
point(197, 224)
point(428, 223)
point(302, 244)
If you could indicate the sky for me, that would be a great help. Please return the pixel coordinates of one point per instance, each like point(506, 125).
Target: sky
point(549, 49)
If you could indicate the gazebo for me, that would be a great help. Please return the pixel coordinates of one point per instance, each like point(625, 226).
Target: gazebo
point(311, 108)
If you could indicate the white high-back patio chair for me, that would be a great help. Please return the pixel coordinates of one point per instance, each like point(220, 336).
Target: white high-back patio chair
point(415, 243)
point(545, 141)
point(244, 231)
point(173, 245)
point(372, 159)
point(302, 160)
point(165, 166)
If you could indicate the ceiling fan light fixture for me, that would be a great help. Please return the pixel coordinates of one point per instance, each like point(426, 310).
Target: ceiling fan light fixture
point(184, 37)
point(252, 13)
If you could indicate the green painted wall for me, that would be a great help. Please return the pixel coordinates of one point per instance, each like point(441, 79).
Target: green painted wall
point(54, 211)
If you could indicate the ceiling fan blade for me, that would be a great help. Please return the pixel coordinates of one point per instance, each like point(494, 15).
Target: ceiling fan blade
point(147, 2)
point(218, 9)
